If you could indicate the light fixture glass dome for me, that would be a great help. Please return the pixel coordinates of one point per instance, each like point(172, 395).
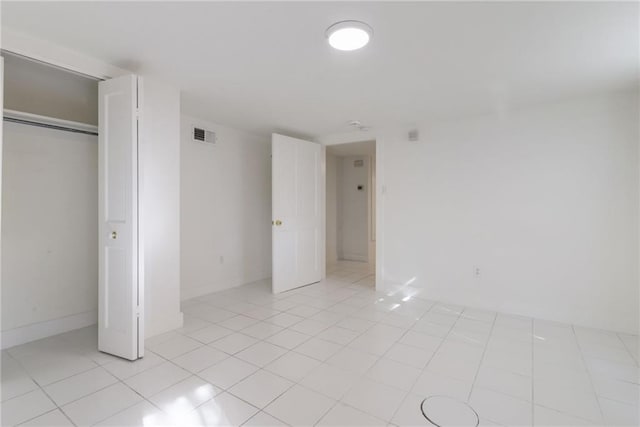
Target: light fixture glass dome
point(349, 35)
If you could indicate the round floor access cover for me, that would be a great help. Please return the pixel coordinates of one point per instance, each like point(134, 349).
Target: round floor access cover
point(445, 411)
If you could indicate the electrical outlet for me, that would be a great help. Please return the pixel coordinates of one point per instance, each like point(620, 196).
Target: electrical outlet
point(476, 272)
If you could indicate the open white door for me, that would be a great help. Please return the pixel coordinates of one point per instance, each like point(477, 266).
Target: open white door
point(118, 308)
point(297, 208)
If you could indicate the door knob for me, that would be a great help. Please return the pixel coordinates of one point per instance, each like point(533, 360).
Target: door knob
point(278, 222)
point(114, 235)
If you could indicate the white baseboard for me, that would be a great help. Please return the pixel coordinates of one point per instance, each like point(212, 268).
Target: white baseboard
point(194, 292)
point(354, 257)
point(36, 331)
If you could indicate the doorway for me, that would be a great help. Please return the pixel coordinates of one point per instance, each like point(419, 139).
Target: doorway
point(350, 212)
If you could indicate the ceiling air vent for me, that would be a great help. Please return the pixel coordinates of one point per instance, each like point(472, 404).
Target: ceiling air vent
point(203, 135)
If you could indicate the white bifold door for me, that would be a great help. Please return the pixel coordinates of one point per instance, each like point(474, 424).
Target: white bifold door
point(120, 320)
point(297, 206)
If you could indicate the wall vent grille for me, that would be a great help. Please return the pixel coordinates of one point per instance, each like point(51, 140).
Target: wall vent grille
point(203, 135)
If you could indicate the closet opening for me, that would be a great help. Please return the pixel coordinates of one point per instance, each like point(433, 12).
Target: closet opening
point(49, 200)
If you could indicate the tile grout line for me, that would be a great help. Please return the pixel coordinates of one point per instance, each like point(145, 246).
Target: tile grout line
point(122, 381)
point(57, 408)
point(297, 383)
point(43, 392)
point(261, 411)
point(533, 364)
point(593, 389)
point(223, 390)
point(624, 345)
point(324, 414)
point(379, 357)
point(442, 340)
point(588, 372)
point(44, 413)
point(484, 351)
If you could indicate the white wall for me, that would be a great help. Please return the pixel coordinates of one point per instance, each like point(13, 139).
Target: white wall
point(226, 209)
point(49, 232)
point(544, 201)
point(353, 208)
point(159, 195)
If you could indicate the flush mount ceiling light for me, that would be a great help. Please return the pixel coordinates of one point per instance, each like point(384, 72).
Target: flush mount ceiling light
point(349, 35)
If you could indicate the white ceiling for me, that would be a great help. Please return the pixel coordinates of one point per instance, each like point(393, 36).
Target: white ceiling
point(267, 67)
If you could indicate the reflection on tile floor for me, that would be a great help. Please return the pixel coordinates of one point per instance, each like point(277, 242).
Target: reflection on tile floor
point(332, 354)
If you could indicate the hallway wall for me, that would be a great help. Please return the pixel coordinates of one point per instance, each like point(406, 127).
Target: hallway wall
point(353, 206)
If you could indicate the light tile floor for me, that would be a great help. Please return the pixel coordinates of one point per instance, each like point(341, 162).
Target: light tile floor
point(332, 354)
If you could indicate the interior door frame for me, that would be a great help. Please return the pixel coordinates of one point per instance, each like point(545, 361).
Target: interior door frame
point(380, 190)
point(60, 57)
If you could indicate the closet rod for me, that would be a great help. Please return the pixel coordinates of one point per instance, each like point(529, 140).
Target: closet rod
point(28, 119)
point(48, 126)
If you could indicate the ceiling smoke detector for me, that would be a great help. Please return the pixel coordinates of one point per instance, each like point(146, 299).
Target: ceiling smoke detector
point(356, 124)
point(349, 35)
